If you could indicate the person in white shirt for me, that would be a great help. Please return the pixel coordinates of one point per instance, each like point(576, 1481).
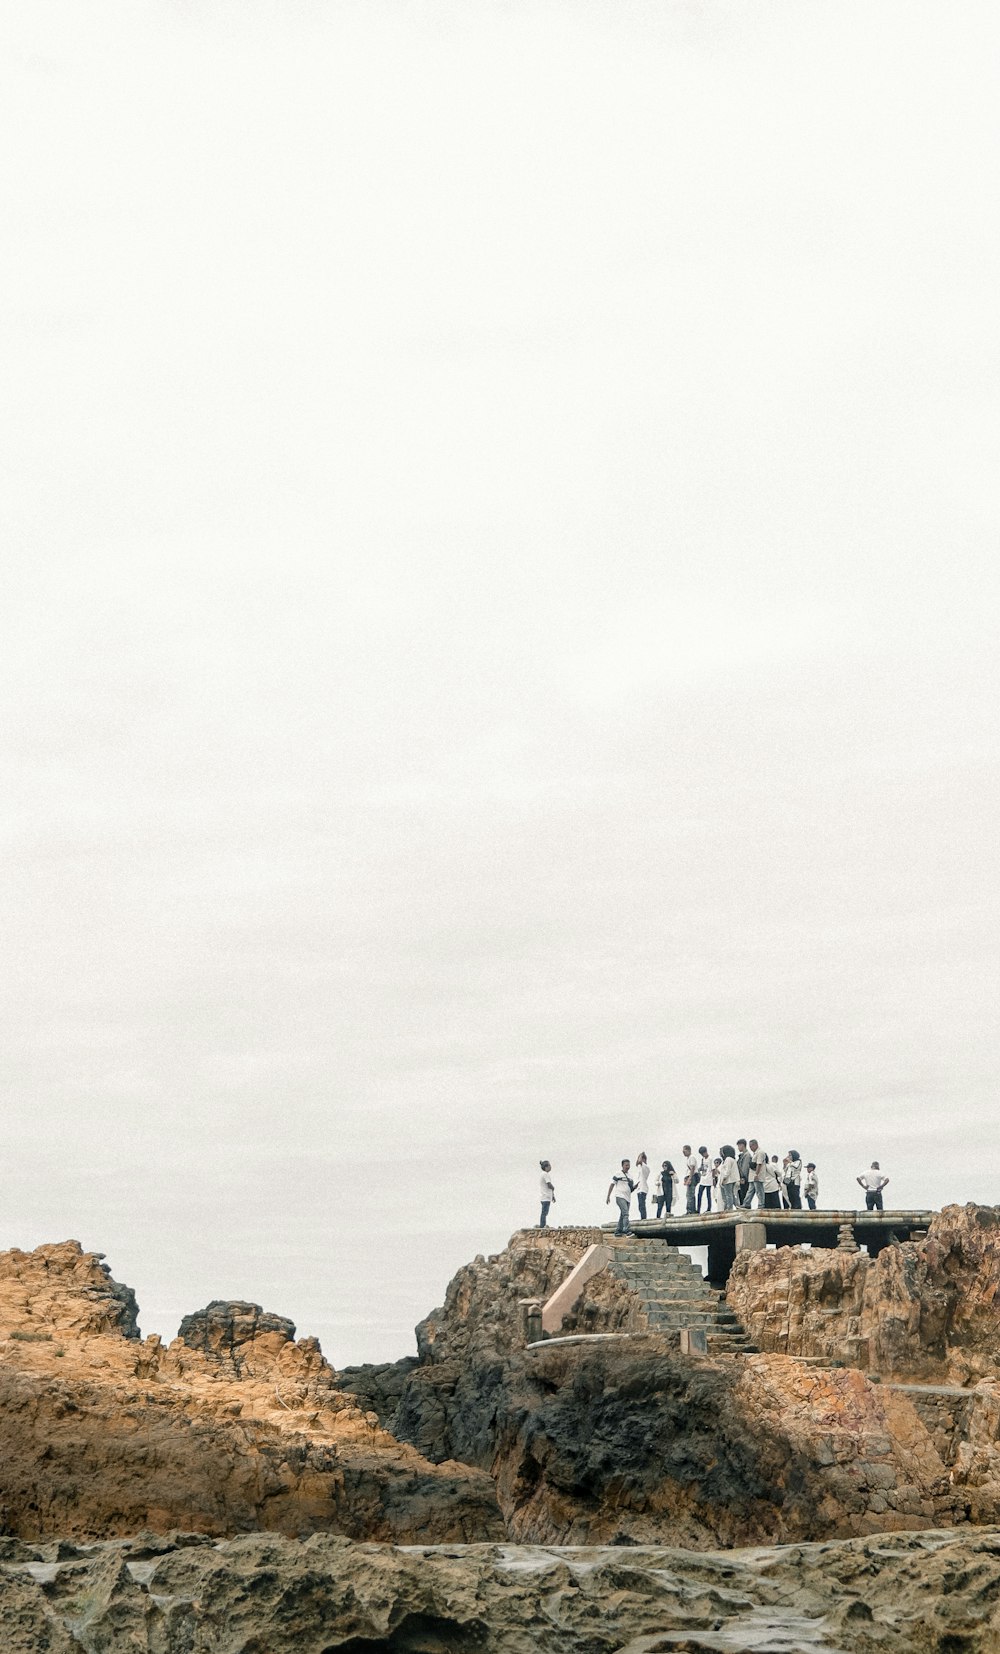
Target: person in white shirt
point(641, 1181)
point(621, 1184)
point(873, 1183)
point(691, 1177)
point(779, 1172)
point(706, 1178)
point(548, 1191)
point(793, 1179)
point(810, 1187)
point(758, 1160)
point(770, 1183)
point(729, 1177)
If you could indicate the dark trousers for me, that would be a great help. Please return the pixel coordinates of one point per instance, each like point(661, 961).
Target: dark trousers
point(811, 1202)
point(543, 1220)
point(641, 1198)
point(873, 1200)
point(741, 1194)
point(692, 1196)
point(705, 1189)
point(666, 1200)
point(794, 1196)
point(773, 1201)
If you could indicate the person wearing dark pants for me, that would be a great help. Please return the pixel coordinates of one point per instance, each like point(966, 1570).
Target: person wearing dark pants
point(548, 1192)
point(665, 1197)
point(744, 1160)
point(621, 1186)
point(810, 1187)
point(873, 1183)
point(691, 1176)
point(641, 1181)
point(705, 1179)
point(793, 1180)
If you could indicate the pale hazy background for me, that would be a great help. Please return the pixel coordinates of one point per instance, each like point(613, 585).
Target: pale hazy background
point(499, 624)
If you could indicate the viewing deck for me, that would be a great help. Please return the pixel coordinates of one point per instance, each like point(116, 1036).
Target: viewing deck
point(726, 1233)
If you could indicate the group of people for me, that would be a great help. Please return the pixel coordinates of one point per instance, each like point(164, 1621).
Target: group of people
point(738, 1175)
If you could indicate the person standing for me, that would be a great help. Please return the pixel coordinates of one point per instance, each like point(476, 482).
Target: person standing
point(622, 1186)
point(779, 1172)
point(873, 1183)
point(758, 1160)
point(641, 1181)
point(548, 1192)
point(706, 1177)
point(690, 1178)
point(770, 1182)
point(793, 1180)
point(744, 1160)
point(729, 1177)
point(665, 1191)
point(810, 1187)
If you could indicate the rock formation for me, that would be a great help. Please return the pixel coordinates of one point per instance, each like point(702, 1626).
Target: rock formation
point(925, 1310)
point(929, 1593)
point(239, 1429)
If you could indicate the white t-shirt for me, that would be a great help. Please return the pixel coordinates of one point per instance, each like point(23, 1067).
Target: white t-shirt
point(705, 1173)
point(642, 1177)
point(758, 1162)
point(548, 1189)
point(810, 1185)
point(793, 1171)
point(873, 1180)
point(692, 1168)
point(729, 1171)
point(769, 1177)
point(620, 1186)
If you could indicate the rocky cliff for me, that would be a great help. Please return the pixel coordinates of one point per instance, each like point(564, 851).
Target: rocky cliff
point(925, 1310)
point(233, 1427)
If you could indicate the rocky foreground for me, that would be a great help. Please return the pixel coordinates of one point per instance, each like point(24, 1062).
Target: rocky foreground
point(487, 1495)
point(929, 1593)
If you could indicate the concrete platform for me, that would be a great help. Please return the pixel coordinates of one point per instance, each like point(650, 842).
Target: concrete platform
point(718, 1231)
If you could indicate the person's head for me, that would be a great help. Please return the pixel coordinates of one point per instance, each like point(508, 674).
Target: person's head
point(640, 1159)
point(546, 1165)
point(811, 1167)
point(727, 1151)
point(875, 1166)
point(741, 1142)
point(703, 1149)
point(625, 1165)
point(716, 1161)
point(754, 1143)
point(668, 1168)
point(793, 1154)
point(774, 1160)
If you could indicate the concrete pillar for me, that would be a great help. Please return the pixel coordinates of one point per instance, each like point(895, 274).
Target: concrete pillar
point(751, 1237)
point(531, 1319)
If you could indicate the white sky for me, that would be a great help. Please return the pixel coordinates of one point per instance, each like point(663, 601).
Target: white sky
point(498, 650)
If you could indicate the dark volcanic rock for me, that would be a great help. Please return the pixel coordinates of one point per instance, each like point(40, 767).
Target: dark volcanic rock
point(226, 1327)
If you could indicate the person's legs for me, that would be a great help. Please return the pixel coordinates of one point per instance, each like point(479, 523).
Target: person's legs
point(773, 1201)
point(741, 1198)
point(795, 1196)
point(692, 1197)
point(641, 1198)
point(623, 1228)
point(878, 1201)
point(811, 1202)
point(668, 1196)
point(871, 1195)
point(543, 1220)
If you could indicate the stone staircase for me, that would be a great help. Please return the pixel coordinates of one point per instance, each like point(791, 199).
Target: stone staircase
point(674, 1294)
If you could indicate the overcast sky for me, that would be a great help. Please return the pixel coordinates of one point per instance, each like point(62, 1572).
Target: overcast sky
point(498, 650)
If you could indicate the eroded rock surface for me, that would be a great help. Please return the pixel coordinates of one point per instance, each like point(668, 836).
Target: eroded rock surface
point(241, 1428)
point(932, 1593)
point(925, 1309)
